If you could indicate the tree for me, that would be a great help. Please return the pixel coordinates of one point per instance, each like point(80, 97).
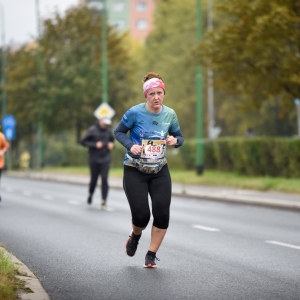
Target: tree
point(256, 52)
point(70, 81)
point(168, 51)
point(73, 67)
point(22, 89)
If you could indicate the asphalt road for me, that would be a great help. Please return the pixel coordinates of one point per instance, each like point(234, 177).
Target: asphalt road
point(212, 250)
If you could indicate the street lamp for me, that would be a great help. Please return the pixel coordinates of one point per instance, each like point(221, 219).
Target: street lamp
point(3, 76)
point(100, 6)
point(199, 129)
point(213, 132)
point(210, 74)
point(297, 102)
point(39, 63)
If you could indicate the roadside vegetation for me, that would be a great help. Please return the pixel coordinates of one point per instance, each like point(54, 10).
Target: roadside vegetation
point(9, 283)
point(209, 178)
point(253, 51)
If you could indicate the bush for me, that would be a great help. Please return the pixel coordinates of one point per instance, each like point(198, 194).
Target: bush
point(257, 156)
point(77, 155)
point(263, 156)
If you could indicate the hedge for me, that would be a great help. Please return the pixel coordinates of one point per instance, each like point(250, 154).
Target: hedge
point(77, 155)
point(257, 156)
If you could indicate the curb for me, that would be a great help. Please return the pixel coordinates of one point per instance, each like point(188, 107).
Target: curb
point(245, 200)
point(178, 190)
point(31, 282)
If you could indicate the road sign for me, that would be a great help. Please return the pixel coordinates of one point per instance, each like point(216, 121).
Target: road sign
point(104, 110)
point(9, 133)
point(9, 123)
point(214, 132)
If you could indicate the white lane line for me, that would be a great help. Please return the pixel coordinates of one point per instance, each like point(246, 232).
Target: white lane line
point(73, 202)
point(110, 209)
point(205, 228)
point(283, 244)
point(27, 193)
point(48, 197)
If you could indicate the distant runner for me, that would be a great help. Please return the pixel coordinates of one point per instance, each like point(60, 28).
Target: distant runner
point(100, 141)
point(4, 145)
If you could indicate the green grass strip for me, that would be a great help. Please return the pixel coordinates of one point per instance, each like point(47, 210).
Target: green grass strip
point(9, 283)
point(209, 178)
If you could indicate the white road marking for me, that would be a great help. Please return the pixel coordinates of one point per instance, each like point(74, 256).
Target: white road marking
point(8, 189)
point(283, 244)
point(110, 209)
point(48, 197)
point(205, 228)
point(73, 202)
point(27, 193)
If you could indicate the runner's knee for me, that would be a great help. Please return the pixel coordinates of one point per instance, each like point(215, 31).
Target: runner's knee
point(161, 223)
point(141, 220)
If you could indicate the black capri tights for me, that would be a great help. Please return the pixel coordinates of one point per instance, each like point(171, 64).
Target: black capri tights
point(138, 185)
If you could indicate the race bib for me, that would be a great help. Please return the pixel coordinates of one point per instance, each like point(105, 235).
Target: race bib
point(153, 149)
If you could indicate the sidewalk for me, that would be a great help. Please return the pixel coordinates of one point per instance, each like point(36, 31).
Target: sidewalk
point(269, 199)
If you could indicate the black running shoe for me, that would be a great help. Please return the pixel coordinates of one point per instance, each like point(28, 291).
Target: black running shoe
point(150, 261)
point(131, 244)
point(89, 199)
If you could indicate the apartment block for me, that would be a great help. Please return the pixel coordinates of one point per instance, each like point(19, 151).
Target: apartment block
point(141, 14)
point(133, 15)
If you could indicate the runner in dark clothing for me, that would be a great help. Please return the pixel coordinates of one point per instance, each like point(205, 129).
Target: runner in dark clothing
point(100, 141)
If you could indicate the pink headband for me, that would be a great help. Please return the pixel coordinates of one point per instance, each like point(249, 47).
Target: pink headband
point(153, 83)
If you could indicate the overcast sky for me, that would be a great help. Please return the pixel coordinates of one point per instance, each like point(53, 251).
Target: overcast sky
point(20, 17)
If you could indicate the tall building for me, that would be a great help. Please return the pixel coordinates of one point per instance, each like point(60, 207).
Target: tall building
point(141, 14)
point(118, 13)
point(133, 15)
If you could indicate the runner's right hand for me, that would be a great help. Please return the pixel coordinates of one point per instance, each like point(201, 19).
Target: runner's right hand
point(136, 149)
point(99, 145)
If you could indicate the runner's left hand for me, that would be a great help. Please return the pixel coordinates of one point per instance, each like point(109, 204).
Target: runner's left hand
point(171, 140)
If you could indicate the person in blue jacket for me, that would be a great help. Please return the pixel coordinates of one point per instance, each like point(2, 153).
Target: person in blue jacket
point(152, 126)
